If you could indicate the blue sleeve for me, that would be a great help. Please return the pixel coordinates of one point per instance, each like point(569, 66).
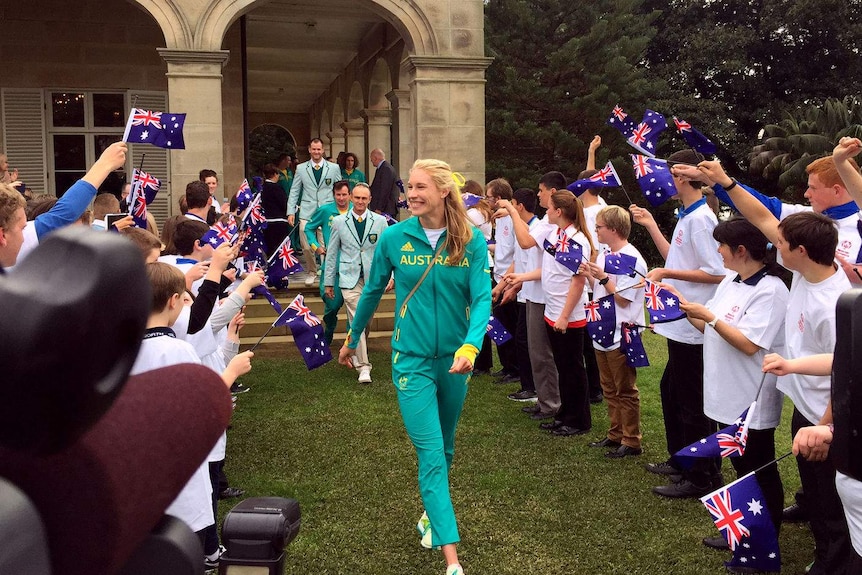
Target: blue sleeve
point(67, 209)
point(771, 204)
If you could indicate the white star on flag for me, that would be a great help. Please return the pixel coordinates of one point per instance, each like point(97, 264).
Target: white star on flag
point(144, 135)
point(755, 507)
point(670, 301)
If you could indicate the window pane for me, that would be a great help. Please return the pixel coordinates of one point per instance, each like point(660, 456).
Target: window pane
point(64, 180)
point(67, 109)
point(69, 152)
point(114, 182)
point(109, 110)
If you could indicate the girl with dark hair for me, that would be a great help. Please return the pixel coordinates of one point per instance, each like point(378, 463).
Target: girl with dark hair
point(743, 322)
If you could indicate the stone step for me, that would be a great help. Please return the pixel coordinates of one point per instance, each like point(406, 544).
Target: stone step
point(257, 326)
point(259, 307)
point(282, 345)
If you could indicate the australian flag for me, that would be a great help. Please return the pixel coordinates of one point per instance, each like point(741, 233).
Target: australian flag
point(161, 129)
point(693, 137)
point(566, 251)
point(620, 264)
point(602, 320)
point(497, 332)
point(644, 138)
point(662, 305)
point(143, 192)
point(728, 442)
point(739, 511)
point(622, 122)
point(470, 200)
point(244, 195)
point(605, 178)
point(253, 247)
point(281, 264)
point(654, 178)
point(219, 233)
point(307, 332)
point(632, 345)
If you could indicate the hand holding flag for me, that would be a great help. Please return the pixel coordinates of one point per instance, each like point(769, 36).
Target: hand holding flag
point(662, 305)
point(654, 178)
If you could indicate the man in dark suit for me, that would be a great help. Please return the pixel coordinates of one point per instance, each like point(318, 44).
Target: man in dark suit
point(384, 190)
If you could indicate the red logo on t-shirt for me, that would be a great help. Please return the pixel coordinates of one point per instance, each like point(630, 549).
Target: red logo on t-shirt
point(728, 317)
point(801, 323)
point(846, 244)
point(678, 239)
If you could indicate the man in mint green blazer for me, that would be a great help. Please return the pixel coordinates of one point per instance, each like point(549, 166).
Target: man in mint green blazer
point(313, 180)
point(352, 242)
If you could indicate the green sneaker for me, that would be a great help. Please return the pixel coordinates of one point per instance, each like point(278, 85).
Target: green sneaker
point(454, 570)
point(424, 529)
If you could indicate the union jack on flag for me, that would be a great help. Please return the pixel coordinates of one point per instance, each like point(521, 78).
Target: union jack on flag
point(298, 305)
point(244, 195)
point(592, 309)
point(618, 112)
point(639, 136)
point(726, 518)
point(726, 442)
point(146, 118)
point(653, 297)
point(139, 210)
point(602, 174)
point(729, 445)
point(642, 167)
point(286, 254)
point(563, 242)
point(148, 183)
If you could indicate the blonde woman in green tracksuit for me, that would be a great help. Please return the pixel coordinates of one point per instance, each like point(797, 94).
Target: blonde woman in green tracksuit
point(441, 318)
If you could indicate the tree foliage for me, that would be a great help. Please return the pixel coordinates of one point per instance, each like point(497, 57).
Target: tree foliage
point(559, 68)
point(788, 146)
point(735, 65)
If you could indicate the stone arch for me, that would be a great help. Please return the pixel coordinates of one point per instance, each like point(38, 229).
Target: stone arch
point(172, 21)
point(355, 102)
point(213, 21)
point(380, 85)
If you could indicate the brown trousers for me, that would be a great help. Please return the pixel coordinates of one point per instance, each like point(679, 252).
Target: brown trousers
point(619, 385)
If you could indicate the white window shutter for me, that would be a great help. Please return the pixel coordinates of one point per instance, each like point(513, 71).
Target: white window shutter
point(157, 161)
point(23, 121)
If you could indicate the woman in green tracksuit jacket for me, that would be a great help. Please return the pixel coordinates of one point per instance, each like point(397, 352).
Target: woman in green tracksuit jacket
point(439, 327)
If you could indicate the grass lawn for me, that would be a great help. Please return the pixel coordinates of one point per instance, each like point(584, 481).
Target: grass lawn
point(525, 501)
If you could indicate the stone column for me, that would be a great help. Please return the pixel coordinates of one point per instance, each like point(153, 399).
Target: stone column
point(195, 88)
point(402, 130)
point(354, 141)
point(448, 95)
point(378, 134)
point(336, 143)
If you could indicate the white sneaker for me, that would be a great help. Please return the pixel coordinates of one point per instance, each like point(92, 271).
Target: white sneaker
point(310, 279)
point(365, 375)
point(454, 570)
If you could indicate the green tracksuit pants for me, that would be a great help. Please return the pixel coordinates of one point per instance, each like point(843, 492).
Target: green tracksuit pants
point(431, 399)
point(330, 310)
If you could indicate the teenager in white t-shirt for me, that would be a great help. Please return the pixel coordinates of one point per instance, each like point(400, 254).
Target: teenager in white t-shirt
point(693, 266)
point(565, 318)
point(806, 244)
point(530, 238)
point(504, 253)
point(619, 380)
point(741, 324)
point(161, 348)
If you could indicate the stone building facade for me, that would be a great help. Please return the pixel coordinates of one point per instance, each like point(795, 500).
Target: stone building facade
point(406, 76)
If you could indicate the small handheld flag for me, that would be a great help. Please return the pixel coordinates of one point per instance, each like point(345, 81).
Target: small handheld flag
point(604, 178)
point(160, 129)
point(654, 178)
point(602, 320)
point(693, 137)
point(632, 345)
point(566, 251)
point(644, 138)
point(143, 192)
point(470, 200)
point(497, 332)
point(739, 511)
point(620, 264)
point(621, 121)
point(307, 332)
point(661, 304)
point(728, 442)
point(244, 195)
